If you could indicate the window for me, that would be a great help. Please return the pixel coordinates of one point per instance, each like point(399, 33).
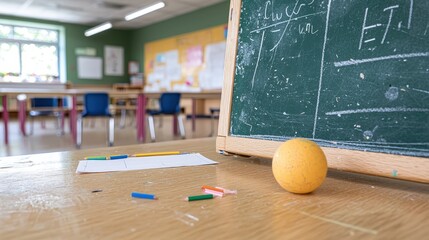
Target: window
point(31, 53)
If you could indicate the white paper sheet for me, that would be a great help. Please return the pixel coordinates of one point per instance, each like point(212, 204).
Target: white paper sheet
point(141, 163)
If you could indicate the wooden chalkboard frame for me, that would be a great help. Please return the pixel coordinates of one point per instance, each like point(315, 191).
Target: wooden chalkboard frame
point(380, 164)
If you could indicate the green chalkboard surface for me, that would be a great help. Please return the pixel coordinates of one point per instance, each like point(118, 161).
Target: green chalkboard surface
point(346, 73)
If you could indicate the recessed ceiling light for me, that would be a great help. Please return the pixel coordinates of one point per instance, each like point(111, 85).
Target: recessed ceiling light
point(144, 11)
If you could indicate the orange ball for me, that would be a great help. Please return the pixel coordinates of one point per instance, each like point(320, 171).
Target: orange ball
point(299, 165)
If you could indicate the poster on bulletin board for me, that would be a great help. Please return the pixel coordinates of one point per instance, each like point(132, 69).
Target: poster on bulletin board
point(186, 63)
point(114, 61)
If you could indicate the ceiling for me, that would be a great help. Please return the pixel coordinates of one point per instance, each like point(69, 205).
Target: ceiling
point(94, 12)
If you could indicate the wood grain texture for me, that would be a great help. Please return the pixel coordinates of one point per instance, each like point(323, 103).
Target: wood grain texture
point(386, 165)
point(231, 49)
point(41, 197)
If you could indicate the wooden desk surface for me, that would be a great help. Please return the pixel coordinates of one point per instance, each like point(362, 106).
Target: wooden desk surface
point(42, 197)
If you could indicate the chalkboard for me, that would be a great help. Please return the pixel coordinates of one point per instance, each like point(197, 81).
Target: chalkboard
point(348, 74)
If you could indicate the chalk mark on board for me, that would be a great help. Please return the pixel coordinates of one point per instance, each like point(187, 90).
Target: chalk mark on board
point(388, 144)
point(286, 21)
point(419, 90)
point(362, 145)
point(410, 13)
point(321, 71)
point(389, 22)
point(378, 110)
point(390, 11)
point(426, 30)
point(294, 12)
point(259, 57)
point(367, 60)
point(287, 25)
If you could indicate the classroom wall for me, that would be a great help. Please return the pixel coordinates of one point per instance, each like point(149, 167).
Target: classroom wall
point(203, 18)
point(131, 40)
point(75, 38)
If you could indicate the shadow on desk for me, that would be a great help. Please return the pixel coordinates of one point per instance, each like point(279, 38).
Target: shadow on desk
point(367, 180)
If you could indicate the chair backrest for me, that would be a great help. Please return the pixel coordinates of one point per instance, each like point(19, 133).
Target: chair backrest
point(170, 103)
point(96, 104)
point(44, 102)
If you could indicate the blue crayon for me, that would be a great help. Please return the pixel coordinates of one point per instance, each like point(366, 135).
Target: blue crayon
point(143, 195)
point(114, 157)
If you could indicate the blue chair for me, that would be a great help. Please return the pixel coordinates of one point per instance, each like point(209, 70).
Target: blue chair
point(46, 107)
point(96, 105)
point(169, 104)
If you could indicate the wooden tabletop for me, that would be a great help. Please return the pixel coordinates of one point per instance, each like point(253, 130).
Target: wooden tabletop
point(41, 197)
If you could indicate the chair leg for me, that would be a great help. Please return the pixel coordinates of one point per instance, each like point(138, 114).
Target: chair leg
point(111, 131)
point(151, 127)
point(79, 127)
point(63, 116)
point(181, 126)
point(123, 118)
point(32, 125)
point(59, 124)
point(132, 117)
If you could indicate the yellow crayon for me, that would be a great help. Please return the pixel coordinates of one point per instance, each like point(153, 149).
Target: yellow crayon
point(155, 154)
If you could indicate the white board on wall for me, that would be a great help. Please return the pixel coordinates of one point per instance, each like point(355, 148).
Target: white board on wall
point(89, 67)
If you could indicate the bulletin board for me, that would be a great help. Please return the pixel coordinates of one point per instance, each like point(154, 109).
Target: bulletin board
point(186, 63)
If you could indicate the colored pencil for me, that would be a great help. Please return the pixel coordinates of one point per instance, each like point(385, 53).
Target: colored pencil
point(199, 197)
point(143, 195)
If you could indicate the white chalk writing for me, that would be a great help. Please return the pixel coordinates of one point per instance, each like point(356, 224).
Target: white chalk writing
point(397, 56)
point(367, 29)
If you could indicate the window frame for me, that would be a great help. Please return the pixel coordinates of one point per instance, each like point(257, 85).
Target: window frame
point(60, 44)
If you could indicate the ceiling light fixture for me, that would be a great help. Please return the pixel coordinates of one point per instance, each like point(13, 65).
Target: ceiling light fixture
point(97, 29)
point(144, 11)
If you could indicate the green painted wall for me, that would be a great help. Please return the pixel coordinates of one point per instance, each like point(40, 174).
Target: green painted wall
point(131, 40)
point(76, 39)
point(203, 18)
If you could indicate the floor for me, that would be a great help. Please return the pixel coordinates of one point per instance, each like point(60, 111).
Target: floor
point(48, 140)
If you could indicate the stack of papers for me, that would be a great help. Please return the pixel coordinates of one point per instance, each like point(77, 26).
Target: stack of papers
point(140, 163)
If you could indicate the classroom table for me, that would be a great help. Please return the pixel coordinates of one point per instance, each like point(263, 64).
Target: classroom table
point(13, 92)
point(43, 198)
point(135, 94)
